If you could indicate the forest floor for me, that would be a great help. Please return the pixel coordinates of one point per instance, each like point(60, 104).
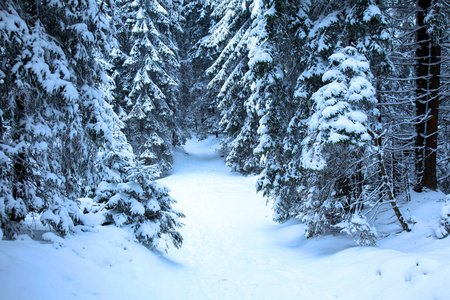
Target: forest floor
point(232, 250)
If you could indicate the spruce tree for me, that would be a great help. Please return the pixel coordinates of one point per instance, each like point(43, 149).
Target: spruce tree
point(200, 113)
point(428, 72)
point(294, 178)
point(59, 133)
point(149, 81)
point(41, 126)
point(419, 31)
point(280, 32)
point(130, 198)
point(229, 87)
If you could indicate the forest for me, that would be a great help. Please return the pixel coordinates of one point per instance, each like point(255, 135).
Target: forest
point(341, 108)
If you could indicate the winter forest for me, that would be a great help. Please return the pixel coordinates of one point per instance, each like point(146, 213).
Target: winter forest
point(341, 109)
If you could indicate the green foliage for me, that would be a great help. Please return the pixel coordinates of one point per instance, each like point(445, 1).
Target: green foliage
point(60, 138)
point(148, 81)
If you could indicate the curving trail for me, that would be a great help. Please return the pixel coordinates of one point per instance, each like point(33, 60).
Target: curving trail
point(230, 241)
point(233, 249)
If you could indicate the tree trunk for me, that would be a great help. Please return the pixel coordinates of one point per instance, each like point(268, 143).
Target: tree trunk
point(19, 166)
point(427, 102)
point(388, 184)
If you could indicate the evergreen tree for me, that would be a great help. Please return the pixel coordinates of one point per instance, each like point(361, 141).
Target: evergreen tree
point(59, 133)
point(229, 87)
point(343, 128)
point(200, 113)
point(292, 178)
point(428, 72)
point(149, 78)
point(443, 152)
point(419, 29)
point(281, 28)
point(131, 198)
point(41, 127)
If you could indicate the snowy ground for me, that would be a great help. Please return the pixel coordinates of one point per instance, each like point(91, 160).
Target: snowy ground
point(232, 250)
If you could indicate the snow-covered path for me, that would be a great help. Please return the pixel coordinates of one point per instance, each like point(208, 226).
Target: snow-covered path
point(232, 250)
point(230, 239)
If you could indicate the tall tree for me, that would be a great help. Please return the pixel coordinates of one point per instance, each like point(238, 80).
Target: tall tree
point(229, 86)
point(59, 133)
point(443, 158)
point(303, 181)
point(278, 48)
point(419, 30)
point(149, 78)
point(428, 72)
point(41, 119)
point(199, 114)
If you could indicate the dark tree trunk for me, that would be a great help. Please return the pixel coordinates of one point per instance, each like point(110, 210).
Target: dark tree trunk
point(427, 102)
point(19, 166)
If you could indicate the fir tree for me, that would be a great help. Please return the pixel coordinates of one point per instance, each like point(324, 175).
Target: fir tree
point(428, 72)
point(41, 125)
point(290, 179)
point(230, 87)
point(130, 198)
point(340, 130)
point(200, 113)
point(59, 133)
point(279, 39)
point(150, 81)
